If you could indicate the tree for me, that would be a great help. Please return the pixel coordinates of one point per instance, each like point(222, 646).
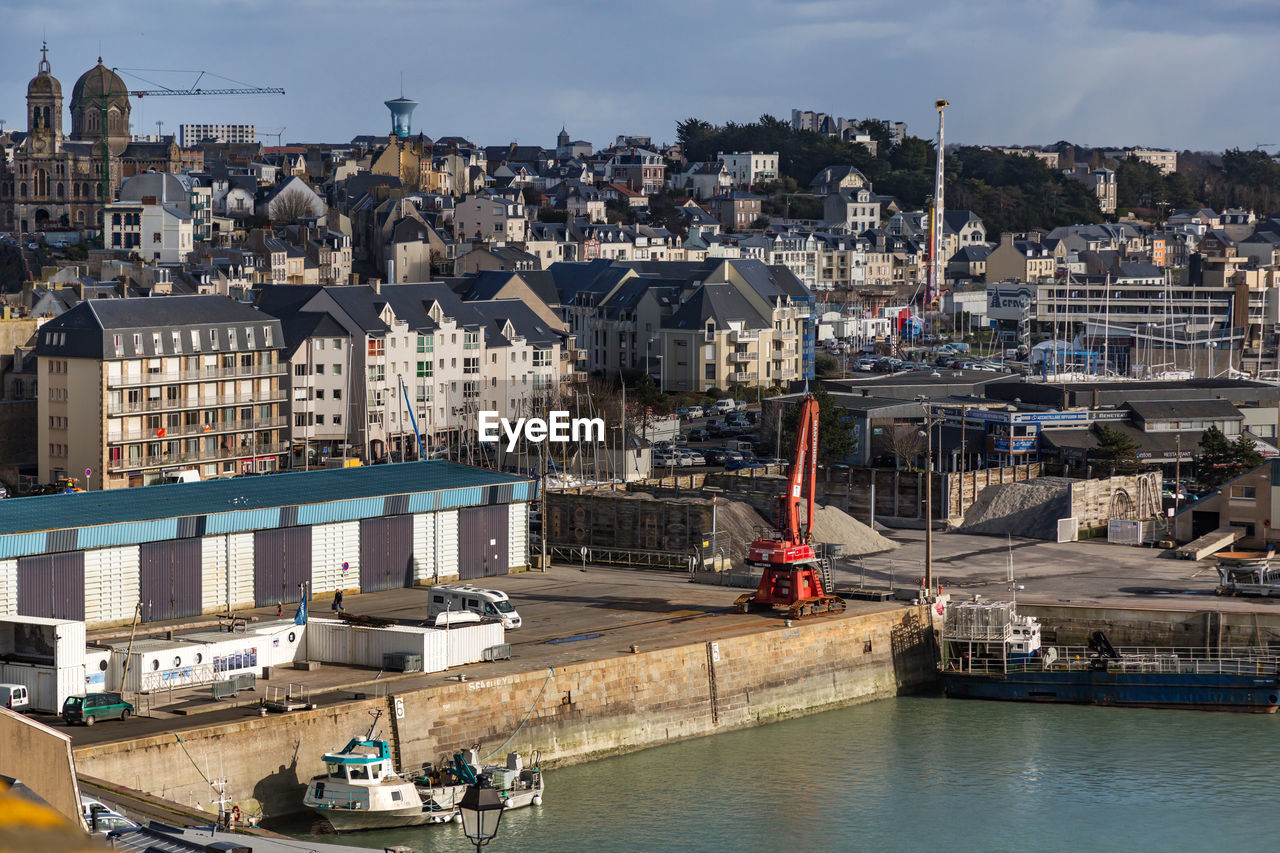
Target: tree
point(289, 207)
point(906, 443)
point(1116, 452)
point(1221, 460)
point(835, 437)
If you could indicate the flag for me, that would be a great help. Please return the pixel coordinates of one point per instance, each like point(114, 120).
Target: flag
point(300, 618)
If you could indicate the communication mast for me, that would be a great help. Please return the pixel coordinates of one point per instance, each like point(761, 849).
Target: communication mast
point(935, 220)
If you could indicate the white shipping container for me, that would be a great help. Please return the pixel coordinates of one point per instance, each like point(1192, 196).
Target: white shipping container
point(36, 640)
point(8, 587)
point(332, 547)
point(159, 664)
point(283, 642)
point(230, 654)
point(424, 547)
point(332, 641)
point(110, 584)
point(466, 644)
point(47, 687)
point(97, 663)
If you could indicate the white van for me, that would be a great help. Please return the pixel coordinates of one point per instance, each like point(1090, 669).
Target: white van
point(489, 603)
point(189, 475)
point(14, 696)
point(726, 405)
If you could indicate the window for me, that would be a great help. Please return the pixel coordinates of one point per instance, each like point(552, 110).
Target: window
point(377, 373)
point(1243, 493)
point(337, 370)
point(231, 338)
point(248, 337)
point(319, 393)
point(213, 339)
point(377, 347)
point(299, 370)
point(319, 370)
point(426, 343)
point(337, 420)
point(337, 393)
point(424, 369)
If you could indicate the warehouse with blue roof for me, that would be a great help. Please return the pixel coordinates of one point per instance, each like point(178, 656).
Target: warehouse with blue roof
point(211, 547)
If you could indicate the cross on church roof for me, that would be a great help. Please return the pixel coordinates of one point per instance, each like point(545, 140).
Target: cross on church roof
point(44, 57)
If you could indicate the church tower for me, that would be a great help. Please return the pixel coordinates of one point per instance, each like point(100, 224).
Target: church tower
point(44, 107)
point(562, 141)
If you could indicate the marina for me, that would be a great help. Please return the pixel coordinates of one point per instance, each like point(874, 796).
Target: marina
point(939, 767)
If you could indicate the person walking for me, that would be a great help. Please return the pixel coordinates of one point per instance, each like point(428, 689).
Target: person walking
point(337, 602)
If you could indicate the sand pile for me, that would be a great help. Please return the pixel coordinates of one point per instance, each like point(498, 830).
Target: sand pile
point(1029, 509)
point(832, 524)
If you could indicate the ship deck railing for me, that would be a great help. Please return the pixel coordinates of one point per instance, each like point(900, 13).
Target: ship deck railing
point(1233, 661)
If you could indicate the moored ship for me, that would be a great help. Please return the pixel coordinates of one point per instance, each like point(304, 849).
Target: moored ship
point(990, 651)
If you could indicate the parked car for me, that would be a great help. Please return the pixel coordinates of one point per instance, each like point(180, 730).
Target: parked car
point(696, 457)
point(753, 417)
point(699, 434)
point(715, 428)
point(714, 456)
point(14, 696)
point(697, 412)
point(96, 706)
point(725, 405)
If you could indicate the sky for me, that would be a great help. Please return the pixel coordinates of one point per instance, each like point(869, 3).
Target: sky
point(1183, 74)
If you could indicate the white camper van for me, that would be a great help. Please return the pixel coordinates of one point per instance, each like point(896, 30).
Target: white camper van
point(489, 603)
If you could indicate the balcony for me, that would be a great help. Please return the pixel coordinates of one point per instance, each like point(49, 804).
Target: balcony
point(784, 336)
point(743, 355)
point(743, 378)
point(221, 455)
point(199, 429)
point(277, 395)
point(744, 335)
point(201, 375)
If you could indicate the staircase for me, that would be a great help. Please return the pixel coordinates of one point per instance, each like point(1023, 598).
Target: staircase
point(825, 574)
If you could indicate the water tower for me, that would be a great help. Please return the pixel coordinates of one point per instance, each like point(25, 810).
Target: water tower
point(401, 112)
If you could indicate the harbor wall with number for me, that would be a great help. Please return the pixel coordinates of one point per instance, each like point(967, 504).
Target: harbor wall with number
point(572, 714)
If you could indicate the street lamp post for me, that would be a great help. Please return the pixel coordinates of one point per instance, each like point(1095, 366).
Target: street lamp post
point(481, 809)
point(928, 499)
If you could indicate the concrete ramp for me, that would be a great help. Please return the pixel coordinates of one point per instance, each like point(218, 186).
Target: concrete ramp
point(1209, 544)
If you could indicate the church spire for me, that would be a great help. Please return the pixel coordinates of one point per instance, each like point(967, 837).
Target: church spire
point(44, 58)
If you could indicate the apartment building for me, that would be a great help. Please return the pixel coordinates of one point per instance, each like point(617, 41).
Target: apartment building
point(153, 230)
point(190, 135)
point(1164, 160)
point(490, 218)
point(748, 168)
point(133, 388)
point(1019, 259)
point(638, 169)
point(396, 363)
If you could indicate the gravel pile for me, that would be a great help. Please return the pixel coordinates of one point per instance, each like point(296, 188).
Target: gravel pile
point(1029, 509)
point(831, 524)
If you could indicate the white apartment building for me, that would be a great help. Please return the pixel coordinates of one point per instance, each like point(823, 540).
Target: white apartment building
point(190, 135)
point(153, 230)
point(490, 218)
point(1165, 161)
point(748, 168)
point(133, 388)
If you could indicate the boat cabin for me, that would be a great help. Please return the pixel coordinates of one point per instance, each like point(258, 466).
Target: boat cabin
point(361, 762)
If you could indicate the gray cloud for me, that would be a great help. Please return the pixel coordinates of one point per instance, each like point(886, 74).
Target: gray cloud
point(1177, 73)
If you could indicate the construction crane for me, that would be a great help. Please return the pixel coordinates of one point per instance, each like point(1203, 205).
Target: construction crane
point(104, 102)
point(795, 582)
point(278, 134)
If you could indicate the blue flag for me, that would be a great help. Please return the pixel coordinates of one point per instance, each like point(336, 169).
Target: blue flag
point(300, 618)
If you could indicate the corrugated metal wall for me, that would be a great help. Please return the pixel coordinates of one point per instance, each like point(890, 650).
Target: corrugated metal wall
point(386, 553)
point(52, 585)
point(8, 587)
point(110, 584)
point(482, 541)
point(281, 563)
point(424, 547)
point(331, 546)
point(169, 579)
point(447, 544)
point(518, 537)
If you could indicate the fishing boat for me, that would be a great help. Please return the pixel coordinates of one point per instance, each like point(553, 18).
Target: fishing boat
point(442, 787)
point(360, 789)
point(990, 651)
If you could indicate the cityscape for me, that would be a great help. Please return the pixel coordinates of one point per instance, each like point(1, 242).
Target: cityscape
point(520, 466)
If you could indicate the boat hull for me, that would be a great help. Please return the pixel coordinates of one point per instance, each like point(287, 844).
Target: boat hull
point(350, 820)
point(1198, 691)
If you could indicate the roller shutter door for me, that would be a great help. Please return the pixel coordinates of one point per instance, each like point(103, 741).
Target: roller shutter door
point(170, 579)
point(482, 541)
point(52, 586)
point(386, 553)
point(281, 564)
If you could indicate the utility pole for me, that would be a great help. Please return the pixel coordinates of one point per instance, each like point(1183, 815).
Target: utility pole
point(935, 224)
point(1177, 472)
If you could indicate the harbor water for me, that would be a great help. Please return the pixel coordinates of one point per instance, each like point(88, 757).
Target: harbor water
point(914, 773)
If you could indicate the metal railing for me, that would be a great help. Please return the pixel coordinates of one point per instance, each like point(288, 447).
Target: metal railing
point(200, 429)
point(273, 369)
point(220, 455)
point(130, 408)
point(1231, 661)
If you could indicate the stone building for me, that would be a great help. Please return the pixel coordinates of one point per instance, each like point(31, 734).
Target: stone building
point(57, 180)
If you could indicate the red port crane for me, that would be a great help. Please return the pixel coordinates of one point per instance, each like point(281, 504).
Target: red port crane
point(795, 581)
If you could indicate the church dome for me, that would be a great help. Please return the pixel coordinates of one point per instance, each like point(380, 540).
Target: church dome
point(98, 81)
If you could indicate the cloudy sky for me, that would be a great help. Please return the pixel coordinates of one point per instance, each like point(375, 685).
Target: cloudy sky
point(1168, 73)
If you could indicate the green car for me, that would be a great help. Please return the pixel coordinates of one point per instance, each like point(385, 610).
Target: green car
point(96, 706)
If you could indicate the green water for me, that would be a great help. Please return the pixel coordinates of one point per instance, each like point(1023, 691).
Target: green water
point(918, 773)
